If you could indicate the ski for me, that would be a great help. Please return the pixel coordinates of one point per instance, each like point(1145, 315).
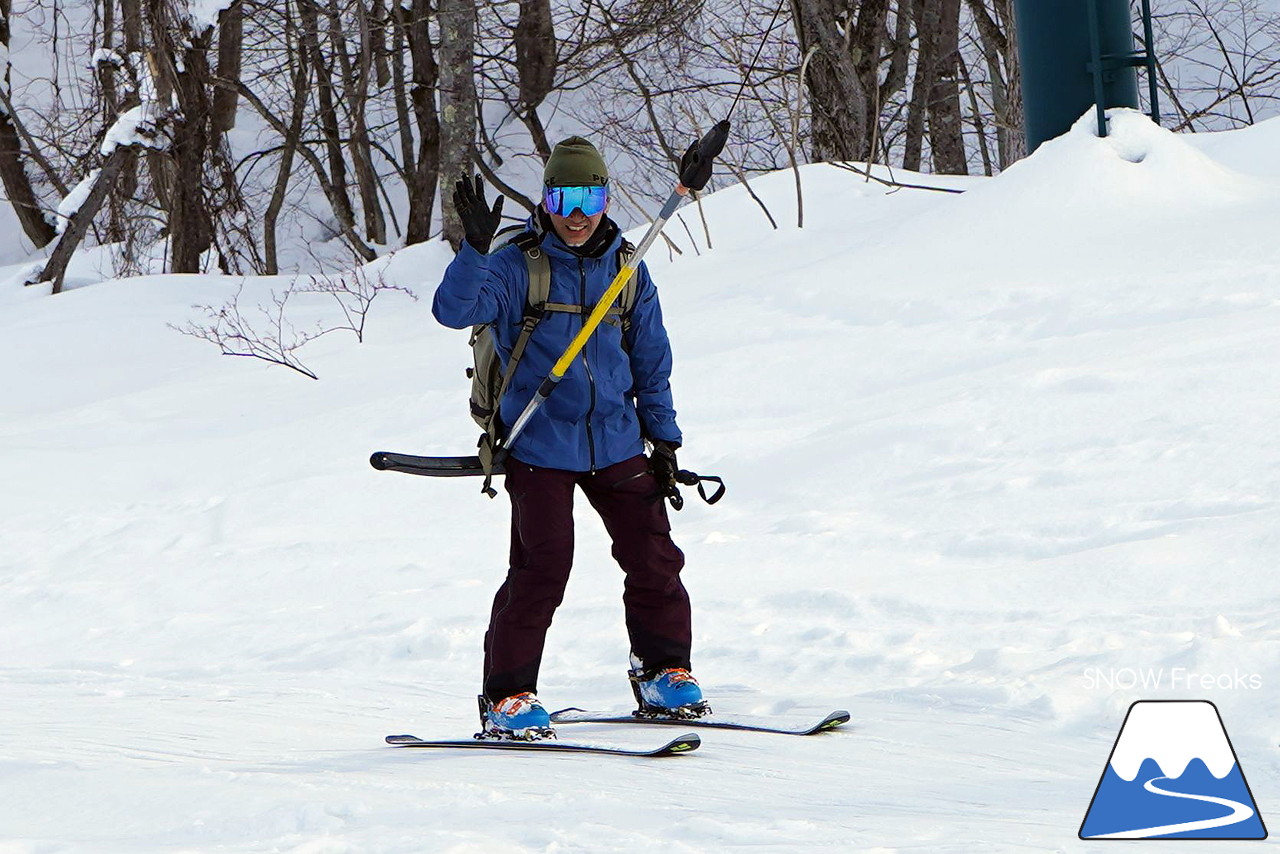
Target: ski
point(680, 744)
point(429, 466)
point(751, 723)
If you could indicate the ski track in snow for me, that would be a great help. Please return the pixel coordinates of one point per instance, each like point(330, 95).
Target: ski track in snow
point(962, 476)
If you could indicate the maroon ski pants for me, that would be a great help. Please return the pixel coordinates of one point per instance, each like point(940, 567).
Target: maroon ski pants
point(655, 602)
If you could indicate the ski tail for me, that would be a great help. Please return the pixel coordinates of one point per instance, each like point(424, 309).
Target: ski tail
point(429, 466)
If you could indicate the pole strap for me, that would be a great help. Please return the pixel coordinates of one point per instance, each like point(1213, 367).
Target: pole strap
point(688, 478)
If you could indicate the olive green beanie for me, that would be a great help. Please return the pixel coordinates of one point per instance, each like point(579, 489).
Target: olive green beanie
point(574, 162)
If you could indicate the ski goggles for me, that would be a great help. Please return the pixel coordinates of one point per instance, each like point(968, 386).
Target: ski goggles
point(562, 201)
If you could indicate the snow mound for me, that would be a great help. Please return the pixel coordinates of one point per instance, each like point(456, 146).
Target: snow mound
point(1139, 169)
point(1254, 150)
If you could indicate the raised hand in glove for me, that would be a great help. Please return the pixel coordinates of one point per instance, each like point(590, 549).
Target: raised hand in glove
point(478, 221)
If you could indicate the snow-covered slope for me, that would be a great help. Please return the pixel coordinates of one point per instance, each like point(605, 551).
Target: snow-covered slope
point(999, 463)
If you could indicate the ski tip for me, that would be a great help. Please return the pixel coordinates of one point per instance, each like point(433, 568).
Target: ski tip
point(379, 461)
point(402, 739)
point(686, 743)
point(833, 720)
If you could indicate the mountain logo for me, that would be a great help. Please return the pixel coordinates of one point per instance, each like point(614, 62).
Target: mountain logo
point(1173, 774)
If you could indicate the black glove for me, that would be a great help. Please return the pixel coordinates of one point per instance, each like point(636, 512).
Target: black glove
point(666, 471)
point(478, 221)
point(662, 463)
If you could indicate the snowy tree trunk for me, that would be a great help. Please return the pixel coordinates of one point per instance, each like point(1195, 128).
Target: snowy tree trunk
point(13, 174)
point(55, 269)
point(458, 103)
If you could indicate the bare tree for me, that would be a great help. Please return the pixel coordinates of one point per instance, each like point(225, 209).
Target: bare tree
point(291, 142)
point(356, 68)
point(100, 184)
point(535, 40)
point(838, 101)
point(230, 49)
point(273, 333)
point(327, 98)
point(363, 108)
point(13, 171)
point(422, 165)
point(1220, 61)
point(996, 37)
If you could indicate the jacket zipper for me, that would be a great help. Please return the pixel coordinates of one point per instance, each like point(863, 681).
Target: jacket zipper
point(591, 380)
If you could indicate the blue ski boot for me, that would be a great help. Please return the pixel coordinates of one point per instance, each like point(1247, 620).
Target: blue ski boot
point(520, 717)
point(668, 693)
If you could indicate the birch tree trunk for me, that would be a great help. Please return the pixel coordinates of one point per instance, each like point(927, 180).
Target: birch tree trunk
point(457, 103)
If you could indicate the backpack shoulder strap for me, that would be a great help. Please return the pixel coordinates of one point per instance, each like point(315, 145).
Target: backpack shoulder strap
point(539, 291)
point(627, 299)
point(539, 266)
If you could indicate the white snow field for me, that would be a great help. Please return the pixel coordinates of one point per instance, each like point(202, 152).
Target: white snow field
point(1000, 464)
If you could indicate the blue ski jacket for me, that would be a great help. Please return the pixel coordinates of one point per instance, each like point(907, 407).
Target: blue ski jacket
point(614, 393)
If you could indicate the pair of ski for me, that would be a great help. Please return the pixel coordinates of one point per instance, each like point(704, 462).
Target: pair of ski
point(680, 744)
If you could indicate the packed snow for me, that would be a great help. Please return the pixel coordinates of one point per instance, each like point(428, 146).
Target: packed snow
point(1000, 464)
point(136, 126)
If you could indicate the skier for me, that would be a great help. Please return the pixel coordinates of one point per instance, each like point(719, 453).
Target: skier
point(590, 435)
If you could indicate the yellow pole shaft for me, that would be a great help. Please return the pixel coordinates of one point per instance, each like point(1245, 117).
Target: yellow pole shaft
point(560, 368)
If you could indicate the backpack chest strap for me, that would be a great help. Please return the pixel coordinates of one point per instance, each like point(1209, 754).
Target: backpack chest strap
point(615, 310)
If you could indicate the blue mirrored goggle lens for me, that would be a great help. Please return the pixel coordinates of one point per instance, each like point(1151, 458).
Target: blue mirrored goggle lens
point(562, 201)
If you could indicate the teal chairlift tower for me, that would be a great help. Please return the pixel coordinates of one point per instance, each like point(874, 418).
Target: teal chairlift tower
point(1076, 54)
